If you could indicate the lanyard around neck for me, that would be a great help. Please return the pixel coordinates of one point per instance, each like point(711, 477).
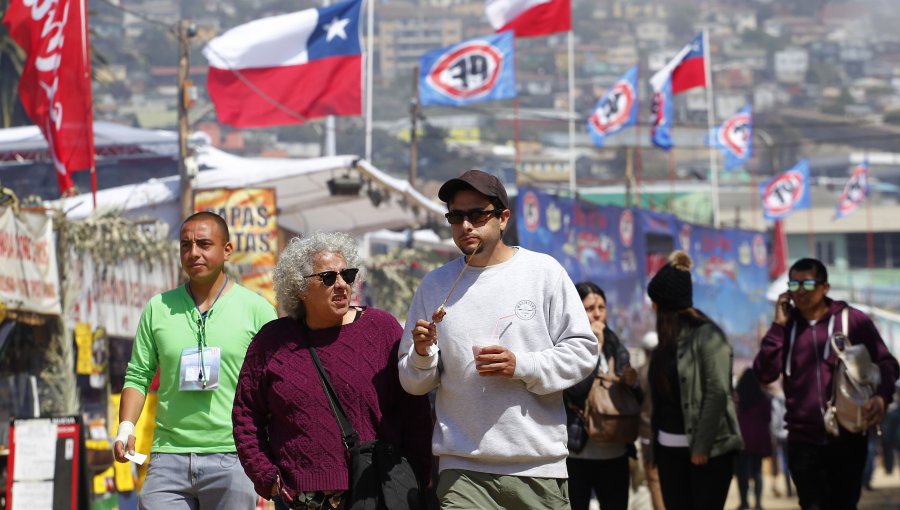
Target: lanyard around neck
point(201, 320)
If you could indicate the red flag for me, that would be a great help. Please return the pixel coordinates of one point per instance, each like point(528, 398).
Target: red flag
point(55, 86)
point(779, 259)
point(530, 18)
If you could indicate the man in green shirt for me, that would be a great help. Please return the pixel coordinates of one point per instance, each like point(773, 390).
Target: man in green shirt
point(196, 335)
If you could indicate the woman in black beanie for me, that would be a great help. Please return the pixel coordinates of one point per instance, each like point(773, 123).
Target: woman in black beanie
point(695, 429)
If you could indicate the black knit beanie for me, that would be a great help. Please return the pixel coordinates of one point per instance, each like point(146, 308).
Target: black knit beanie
point(671, 287)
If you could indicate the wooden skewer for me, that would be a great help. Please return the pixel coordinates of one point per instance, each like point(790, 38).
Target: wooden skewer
point(466, 266)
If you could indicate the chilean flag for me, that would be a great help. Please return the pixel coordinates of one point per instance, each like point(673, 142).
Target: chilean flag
point(530, 18)
point(289, 68)
point(687, 70)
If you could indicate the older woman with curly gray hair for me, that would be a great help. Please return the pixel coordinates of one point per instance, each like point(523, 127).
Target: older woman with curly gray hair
point(287, 437)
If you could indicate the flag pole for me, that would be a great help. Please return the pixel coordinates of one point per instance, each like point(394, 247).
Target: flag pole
point(870, 236)
point(517, 158)
point(571, 59)
point(413, 129)
point(370, 54)
point(710, 121)
point(810, 236)
point(330, 143)
point(637, 148)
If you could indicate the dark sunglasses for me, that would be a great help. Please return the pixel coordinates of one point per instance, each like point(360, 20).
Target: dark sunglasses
point(329, 277)
point(473, 215)
point(808, 285)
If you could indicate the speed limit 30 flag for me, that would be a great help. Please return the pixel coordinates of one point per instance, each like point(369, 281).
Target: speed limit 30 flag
point(734, 138)
point(786, 192)
point(616, 110)
point(855, 191)
point(479, 69)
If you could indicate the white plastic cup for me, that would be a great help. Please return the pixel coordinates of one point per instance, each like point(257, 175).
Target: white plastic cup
point(478, 347)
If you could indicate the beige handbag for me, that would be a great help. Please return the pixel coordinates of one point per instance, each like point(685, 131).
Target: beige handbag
point(611, 411)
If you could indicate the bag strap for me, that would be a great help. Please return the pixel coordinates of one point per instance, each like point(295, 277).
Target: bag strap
point(348, 434)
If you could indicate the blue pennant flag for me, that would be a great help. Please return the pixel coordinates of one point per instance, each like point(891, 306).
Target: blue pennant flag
point(662, 116)
point(480, 69)
point(855, 191)
point(616, 110)
point(734, 138)
point(786, 192)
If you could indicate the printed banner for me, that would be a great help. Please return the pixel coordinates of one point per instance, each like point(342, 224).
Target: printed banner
point(252, 222)
point(621, 249)
point(480, 69)
point(29, 278)
point(113, 298)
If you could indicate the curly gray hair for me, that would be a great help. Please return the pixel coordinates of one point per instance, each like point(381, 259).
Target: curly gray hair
point(297, 260)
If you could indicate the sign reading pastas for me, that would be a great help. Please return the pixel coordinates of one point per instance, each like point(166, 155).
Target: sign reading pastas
point(251, 218)
point(28, 275)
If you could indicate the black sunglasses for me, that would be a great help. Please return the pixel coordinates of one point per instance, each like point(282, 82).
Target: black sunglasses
point(808, 285)
point(473, 215)
point(329, 277)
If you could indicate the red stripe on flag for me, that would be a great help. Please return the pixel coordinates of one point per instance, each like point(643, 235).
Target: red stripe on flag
point(287, 94)
point(544, 19)
point(689, 74)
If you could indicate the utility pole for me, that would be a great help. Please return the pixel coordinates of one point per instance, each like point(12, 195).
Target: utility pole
point(186, 166)
point(413, 118)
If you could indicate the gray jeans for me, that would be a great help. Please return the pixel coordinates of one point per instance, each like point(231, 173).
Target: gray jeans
point(196, 481)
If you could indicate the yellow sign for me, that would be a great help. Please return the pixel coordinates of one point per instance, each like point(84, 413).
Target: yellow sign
point(252, 224)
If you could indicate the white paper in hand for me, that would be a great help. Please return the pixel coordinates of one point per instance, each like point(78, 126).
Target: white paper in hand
point(137, 458)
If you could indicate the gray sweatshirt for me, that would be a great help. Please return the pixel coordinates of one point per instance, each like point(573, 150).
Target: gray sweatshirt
point(512, 426)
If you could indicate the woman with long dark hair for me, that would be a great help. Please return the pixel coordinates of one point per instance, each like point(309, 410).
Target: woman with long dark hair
point(598, 467)
point(695, 430)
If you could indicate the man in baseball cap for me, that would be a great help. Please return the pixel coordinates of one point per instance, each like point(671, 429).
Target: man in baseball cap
point(514, 335)
point(475, 179)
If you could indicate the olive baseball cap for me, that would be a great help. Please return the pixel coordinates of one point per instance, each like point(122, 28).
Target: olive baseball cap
point(482, 182)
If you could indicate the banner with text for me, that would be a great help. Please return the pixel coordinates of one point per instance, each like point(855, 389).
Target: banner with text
point(621, 249)
point(29, 278)
point(114, 297)
point(252, 221)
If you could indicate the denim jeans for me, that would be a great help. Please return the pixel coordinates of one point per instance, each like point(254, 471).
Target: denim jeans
point(195, 481)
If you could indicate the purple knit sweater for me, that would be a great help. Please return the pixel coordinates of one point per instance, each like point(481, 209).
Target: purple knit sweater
point(282, 421)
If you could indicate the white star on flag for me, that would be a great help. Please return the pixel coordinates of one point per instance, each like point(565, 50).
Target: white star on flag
point(336, 28)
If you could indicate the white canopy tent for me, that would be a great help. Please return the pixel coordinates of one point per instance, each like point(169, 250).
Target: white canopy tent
point(304, 201)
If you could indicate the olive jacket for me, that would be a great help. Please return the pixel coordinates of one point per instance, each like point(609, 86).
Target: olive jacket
point(704, 368)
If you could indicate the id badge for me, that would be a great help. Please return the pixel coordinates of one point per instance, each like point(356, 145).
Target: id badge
point(193, 378)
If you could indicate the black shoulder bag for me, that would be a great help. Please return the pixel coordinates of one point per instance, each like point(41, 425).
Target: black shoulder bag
point(380, 477)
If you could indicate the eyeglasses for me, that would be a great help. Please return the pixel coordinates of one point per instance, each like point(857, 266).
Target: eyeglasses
point(473, 215)
point(329, 277)
point(808, 285)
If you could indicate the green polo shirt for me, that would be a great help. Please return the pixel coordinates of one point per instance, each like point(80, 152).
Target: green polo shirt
point(194, 421)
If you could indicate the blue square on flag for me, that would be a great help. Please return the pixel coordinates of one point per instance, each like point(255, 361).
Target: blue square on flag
point(336, 32)
point(479, 69)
